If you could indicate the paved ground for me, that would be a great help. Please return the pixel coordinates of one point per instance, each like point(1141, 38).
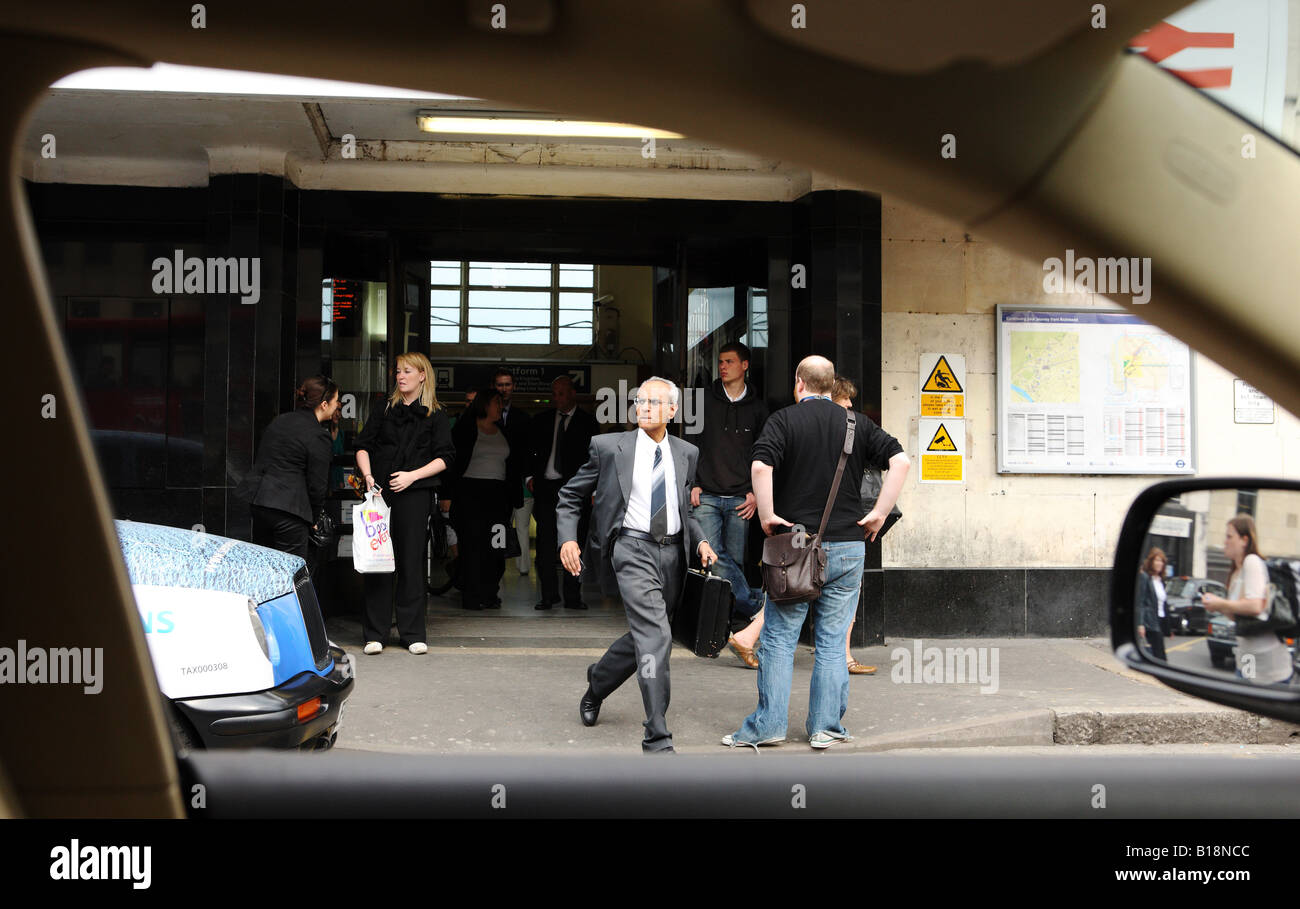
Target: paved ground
point(509, 681)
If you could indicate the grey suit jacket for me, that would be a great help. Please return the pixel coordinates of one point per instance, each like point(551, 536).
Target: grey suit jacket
point(608, 472)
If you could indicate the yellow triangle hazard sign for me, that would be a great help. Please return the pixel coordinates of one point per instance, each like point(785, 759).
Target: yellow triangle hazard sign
point(942, 379)
point(941, 441)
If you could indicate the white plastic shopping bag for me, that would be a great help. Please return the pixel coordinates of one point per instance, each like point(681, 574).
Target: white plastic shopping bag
point(372, 542)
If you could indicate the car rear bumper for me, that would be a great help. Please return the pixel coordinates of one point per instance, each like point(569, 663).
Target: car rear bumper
point(269, 719)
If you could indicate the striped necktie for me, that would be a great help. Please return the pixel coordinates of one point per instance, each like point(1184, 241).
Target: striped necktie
point(658, 498)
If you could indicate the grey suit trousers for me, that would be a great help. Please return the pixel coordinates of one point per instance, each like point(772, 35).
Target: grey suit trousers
point(650, 580)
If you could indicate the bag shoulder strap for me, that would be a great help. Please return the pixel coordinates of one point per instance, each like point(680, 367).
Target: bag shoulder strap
point(839, 472)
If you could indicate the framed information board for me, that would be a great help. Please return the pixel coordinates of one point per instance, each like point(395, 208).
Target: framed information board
point(1091, 391)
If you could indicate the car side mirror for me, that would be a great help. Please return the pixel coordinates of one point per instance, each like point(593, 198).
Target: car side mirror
point(1243, 534)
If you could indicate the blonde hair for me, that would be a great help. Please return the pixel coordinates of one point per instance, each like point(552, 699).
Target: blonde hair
point(428, 394)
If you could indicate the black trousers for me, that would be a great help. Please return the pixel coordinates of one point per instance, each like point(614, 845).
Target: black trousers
point(480, 512)
point(281, 530)
point(546, 495)
point(408, 524)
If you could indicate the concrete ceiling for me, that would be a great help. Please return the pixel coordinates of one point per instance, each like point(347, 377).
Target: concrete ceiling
point(166, 139)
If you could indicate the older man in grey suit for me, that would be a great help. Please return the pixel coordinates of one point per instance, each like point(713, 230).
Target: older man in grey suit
point(642, 538)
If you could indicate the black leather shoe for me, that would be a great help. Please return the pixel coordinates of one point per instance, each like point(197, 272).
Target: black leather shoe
point(589, 706)
point(543, 605)
point(578, 605)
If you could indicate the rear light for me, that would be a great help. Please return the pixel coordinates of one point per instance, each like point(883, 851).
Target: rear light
point(308, 709)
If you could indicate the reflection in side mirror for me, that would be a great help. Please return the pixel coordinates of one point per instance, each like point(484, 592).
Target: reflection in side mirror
point(1216, 589)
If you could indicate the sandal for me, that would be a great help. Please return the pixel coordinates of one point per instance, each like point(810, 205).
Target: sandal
point(746, 654)
point(856, 668)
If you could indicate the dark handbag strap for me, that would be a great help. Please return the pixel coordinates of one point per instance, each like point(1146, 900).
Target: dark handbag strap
point(839, 472)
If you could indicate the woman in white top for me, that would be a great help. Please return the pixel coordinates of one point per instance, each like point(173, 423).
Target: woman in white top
point(1154, 624)
point(485, 487)
point(1261, 657)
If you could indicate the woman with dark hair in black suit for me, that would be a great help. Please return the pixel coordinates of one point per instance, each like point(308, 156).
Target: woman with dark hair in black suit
point(287, 484)
point(487, 485)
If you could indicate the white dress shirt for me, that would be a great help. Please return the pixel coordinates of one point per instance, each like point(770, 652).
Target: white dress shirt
point(638, 506)
point(561, 419)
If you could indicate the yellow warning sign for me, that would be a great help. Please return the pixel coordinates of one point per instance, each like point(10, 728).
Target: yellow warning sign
point(942, 379)
point(943, 406)
point(941, 468)
point(941, 441)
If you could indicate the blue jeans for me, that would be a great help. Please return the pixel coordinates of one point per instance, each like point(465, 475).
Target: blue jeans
point(725, 531)
point(832, 612)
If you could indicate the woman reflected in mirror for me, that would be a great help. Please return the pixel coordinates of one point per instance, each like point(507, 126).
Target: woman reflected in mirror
point(1261, 657)
point(1151, 603)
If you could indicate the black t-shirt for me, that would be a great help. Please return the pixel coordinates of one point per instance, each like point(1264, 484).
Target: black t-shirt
point(803, 443)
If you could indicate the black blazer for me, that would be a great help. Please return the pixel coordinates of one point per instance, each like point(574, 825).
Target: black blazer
point(1148, 604)
point(573, 453)
point(465, 436)
point(405, 437)
point(291, 472)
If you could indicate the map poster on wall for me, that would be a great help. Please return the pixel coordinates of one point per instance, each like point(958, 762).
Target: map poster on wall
point(1092, 391)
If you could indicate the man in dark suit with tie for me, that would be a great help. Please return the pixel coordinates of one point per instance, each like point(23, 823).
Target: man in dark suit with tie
point(641, 548)
point(560, 438)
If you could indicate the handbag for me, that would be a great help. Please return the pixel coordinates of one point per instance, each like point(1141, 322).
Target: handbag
point(872, 481)
point(1280, 613)
point(794, 569)
point(323, 533)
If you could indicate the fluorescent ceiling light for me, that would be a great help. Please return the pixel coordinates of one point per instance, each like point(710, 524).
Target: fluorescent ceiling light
point(431, 122)
point(166, 77)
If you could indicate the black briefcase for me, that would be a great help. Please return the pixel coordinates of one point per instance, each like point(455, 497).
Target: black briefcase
point(702, 621)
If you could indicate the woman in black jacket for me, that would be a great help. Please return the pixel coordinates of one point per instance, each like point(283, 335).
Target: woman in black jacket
point(487, 485)
point(288, 481)
point(402, 450)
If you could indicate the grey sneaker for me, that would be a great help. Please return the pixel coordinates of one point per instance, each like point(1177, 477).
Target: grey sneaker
point(731, 741)
point(826, 739)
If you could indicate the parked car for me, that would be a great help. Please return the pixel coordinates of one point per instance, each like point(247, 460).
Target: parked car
point(237, 640)
point(1222, 641)
point(1183, 603)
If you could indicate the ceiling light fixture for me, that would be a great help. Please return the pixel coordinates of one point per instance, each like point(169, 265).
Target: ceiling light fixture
point(507, 125)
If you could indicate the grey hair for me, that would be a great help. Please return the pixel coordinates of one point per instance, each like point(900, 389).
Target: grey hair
point(673, 394)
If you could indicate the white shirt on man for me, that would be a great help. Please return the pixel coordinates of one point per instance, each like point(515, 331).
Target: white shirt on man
point(561, 419)
point(638, 505)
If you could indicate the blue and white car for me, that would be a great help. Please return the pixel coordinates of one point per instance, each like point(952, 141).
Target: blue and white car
point(237, 640)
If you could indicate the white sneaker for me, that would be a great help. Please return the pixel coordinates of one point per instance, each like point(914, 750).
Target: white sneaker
point(826, 739)
point(731, 741)
point(419, 647)
point(373, 647)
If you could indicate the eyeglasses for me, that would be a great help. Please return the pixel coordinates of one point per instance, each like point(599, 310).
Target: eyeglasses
point(651, 402)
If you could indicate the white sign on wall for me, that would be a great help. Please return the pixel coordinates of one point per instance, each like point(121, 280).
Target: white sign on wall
point(943, 450)
point(943, 385)
point(1250, 405)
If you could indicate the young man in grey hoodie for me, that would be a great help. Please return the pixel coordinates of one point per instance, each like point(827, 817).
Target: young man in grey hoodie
point(734, 413)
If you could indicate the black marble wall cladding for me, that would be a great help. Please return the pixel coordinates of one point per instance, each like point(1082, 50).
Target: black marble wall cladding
point(955, 603)
point(993, 602)
point(1065, 602)
point(870, 627)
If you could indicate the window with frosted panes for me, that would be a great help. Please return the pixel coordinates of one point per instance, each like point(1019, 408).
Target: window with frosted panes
point(511, 303)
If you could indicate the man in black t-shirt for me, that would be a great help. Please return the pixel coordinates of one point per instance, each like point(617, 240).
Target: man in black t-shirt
point(794, 465)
